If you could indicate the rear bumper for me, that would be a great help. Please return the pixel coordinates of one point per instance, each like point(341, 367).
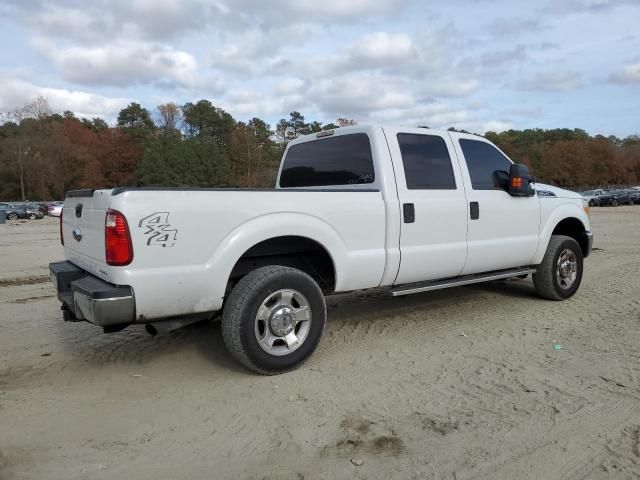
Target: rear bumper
point(90, 298)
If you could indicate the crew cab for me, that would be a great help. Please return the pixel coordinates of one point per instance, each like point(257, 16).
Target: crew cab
point(408, 209)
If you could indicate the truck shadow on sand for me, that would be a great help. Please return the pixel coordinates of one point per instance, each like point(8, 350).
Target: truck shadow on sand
point(85, 344)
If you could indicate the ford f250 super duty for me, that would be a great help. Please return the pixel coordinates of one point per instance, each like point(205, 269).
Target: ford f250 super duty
point(354, 208)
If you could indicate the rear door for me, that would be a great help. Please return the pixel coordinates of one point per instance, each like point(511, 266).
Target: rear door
point(433, 232)
point(503, 230)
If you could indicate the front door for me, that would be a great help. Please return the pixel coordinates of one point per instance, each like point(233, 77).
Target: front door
point(503, 230)
point(433, 232)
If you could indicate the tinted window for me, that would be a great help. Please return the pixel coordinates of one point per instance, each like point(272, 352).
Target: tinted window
point(482, 160)
point(426, 161)
point(342, 160)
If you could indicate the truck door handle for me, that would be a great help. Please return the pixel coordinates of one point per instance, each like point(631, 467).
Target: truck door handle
point(474, 210)
point(408, 212)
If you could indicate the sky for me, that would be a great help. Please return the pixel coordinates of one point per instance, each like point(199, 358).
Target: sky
point(474, 65)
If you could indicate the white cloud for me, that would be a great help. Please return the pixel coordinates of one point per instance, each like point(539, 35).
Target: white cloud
point(359, 92)
point(559, 80)
point(496, 126)
point(629, 74)
point(436, 115)
point(122, 64)
point(16, 92)
point(448, 86)
point(382, 49)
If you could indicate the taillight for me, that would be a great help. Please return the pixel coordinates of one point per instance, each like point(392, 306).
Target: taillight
point(117, 240)
point(61, 235)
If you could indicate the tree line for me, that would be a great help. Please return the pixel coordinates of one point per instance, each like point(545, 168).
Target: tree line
point(44, 154)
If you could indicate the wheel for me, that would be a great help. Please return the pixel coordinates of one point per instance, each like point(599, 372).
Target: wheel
point(614, 203)
point(560, 273)
point(12, 216)
point(273, 319)
point(592, 203)
point(32, 216)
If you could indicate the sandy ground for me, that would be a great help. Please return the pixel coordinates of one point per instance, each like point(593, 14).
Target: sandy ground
point(476, 382)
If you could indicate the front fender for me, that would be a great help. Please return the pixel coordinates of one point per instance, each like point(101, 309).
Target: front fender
point(559, 213)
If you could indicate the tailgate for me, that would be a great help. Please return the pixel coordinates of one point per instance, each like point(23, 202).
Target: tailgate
point(83, 219)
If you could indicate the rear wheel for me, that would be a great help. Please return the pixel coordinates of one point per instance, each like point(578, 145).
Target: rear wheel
point(592, 203)
point(12, 216)
point(560, 273)
point(273, 319)
point(32, 216)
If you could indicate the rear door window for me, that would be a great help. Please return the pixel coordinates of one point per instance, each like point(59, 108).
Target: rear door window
point(341, 160)
point(426, 161)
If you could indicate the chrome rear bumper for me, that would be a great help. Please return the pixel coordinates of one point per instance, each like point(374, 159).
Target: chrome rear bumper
point(90, 298)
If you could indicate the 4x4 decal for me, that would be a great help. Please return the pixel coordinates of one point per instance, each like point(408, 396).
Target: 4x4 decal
point(159, 230)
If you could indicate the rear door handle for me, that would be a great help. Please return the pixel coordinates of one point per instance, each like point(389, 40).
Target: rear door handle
point(408, 212)
point(474, 210)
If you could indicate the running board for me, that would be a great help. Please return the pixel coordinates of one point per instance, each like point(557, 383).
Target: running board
point(459, 281)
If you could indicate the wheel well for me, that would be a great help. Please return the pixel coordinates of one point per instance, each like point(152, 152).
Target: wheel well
point(291, 251)
point(572, 227)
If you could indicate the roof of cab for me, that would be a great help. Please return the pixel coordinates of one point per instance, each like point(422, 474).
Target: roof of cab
point(360, 128)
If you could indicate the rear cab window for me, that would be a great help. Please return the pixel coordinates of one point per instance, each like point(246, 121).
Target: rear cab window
point(343, 160)
point(483, 159)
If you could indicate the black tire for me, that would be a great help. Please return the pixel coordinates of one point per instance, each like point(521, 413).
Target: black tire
point(241, 308)
point(12, 216)
point(545, 279)
point(592, 203)
point(614, 203)
point(32, 216)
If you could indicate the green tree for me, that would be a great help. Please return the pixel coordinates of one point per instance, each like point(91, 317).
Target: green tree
point(136, 118)
point(297, 126)
point(191, 162)
point(203, 119)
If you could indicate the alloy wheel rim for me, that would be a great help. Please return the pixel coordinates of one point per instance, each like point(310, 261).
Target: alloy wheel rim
point(283, 322)
point(566, 268)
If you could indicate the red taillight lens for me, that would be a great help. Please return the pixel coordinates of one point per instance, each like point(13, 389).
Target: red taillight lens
point(117, 240)
point(61, 235)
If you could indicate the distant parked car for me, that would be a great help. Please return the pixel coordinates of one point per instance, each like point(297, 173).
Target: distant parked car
point(593, 197)
point(55, 209)
point(14, 212)
point(634, 195)
point(623, 197)
point(608, 197)
point(43, 207)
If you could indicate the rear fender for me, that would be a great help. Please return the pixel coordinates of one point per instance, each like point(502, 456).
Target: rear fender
point(265, 227)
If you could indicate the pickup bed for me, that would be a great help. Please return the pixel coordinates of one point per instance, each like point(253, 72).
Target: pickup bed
point(354, 208)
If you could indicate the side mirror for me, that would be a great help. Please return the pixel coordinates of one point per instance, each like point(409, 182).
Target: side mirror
point(520, 181)
point(501, 180)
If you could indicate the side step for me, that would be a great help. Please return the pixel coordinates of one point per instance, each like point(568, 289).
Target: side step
point(459, 281)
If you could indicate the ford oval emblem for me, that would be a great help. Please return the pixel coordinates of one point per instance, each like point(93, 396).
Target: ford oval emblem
point(77, 234)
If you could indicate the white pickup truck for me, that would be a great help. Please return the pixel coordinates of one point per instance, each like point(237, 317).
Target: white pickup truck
point(361, 207)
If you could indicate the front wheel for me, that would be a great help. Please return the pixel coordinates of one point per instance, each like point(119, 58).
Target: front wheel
point(32, 216)
point(12, 216)
point(560, 273)
point(273, 319)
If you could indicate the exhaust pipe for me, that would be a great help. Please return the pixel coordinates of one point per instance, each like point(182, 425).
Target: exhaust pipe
point(151, 330)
